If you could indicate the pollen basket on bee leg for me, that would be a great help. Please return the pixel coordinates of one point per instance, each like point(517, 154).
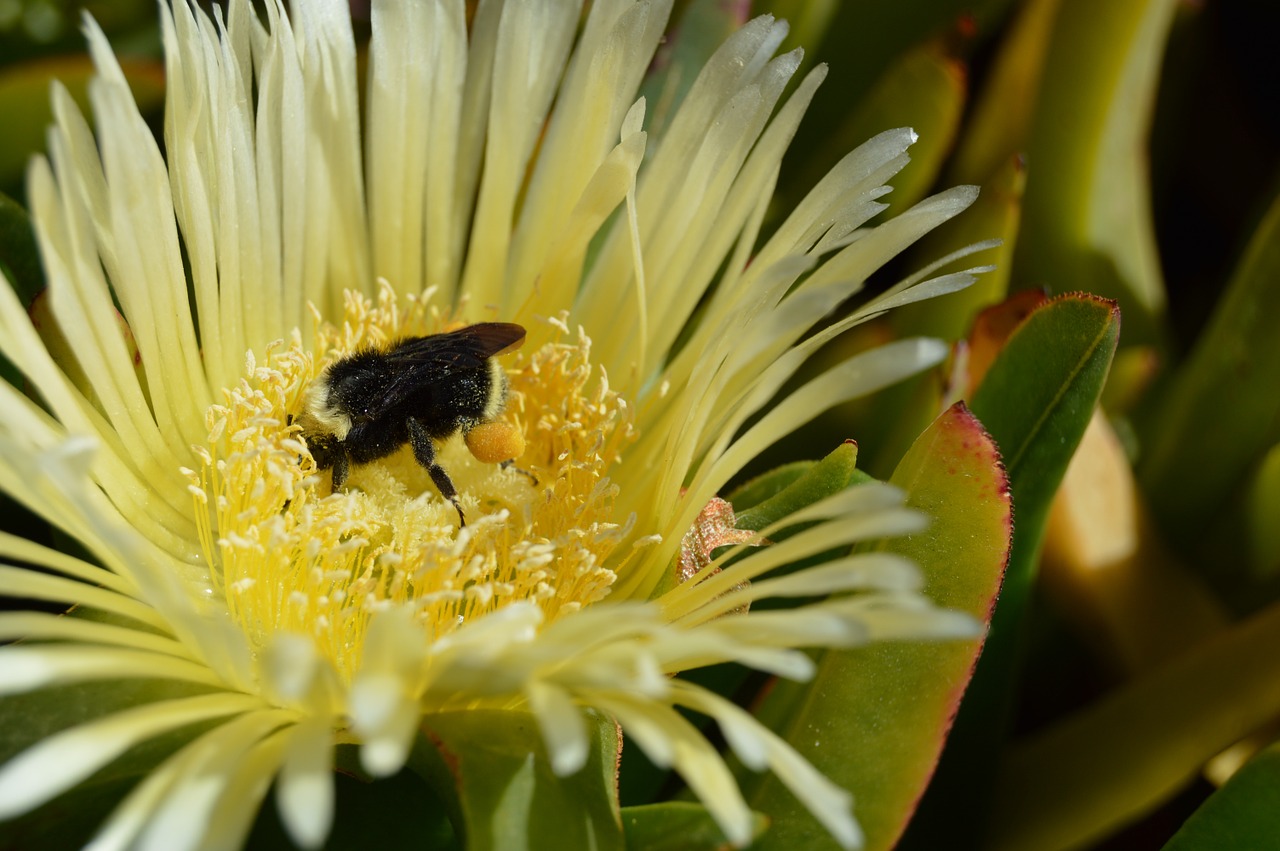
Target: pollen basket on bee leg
point(496, 442)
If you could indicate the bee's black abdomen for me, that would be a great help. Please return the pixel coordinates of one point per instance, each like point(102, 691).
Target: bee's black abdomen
point(422, 389)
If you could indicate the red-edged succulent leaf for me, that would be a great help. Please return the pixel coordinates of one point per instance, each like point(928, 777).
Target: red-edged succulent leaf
point(874, 719)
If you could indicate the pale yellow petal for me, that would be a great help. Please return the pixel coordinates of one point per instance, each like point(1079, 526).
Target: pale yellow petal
point(58, 762)
point(305, 793)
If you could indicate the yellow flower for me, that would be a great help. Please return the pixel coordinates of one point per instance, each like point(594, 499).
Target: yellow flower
point(503, 172)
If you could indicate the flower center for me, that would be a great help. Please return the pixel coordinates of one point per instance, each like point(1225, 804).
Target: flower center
point(291, 555)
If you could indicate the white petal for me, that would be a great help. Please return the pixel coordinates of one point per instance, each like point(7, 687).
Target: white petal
point(290, 664)
point(385, 719)
point(226, 742)
point(247, 785)
point(11, 546)
point(534, 39)
point(28, 667)
point(668, 739)
point(305, 793)
point(563, 730)
point(184, 818)
point(62, 760)
point(39, 626)
point(21, 582)
point(829, 803)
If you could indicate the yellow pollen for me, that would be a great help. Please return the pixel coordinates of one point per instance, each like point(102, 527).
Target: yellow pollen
point(495, 442)
point(289, 555)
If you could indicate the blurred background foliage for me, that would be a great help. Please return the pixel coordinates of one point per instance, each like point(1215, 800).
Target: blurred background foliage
point(1125, 148)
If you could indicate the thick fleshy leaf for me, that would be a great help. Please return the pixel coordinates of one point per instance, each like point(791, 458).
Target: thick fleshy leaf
point(1000, 123)
point(924, 89)
point(810, 21)
point(992, 329)
point(1245, 813)
point(874, 719)
point(1087, 215)
point(1221, 413)
point(833, 473)
point(19, 257)
point(1079, 780)
point(1262, 506)
point(700, 29)
point(766, 485)
point(675, 826)
point(1039, 395)
point(996, 214)
point(70, 819)
point(507, 794)
point(24, 101)
point(1127, 597)
point(1036, 401)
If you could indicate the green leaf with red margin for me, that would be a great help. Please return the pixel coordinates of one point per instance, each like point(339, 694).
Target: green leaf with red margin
point(882, 712)
point(492, 768)
point(1244, 813)
point(1036, 400)
point(676, 826)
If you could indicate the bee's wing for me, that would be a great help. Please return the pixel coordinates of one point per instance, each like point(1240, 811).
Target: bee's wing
point(422, 360)
point(491, 338)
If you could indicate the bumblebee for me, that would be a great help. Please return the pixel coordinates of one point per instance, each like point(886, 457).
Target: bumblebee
point(421, 391)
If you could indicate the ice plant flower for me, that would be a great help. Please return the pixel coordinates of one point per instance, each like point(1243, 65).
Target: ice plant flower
point(501, 170)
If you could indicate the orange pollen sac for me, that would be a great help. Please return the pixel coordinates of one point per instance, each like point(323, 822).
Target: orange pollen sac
point(495, 442)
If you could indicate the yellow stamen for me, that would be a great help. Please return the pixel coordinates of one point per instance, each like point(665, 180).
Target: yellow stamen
point(291, 555)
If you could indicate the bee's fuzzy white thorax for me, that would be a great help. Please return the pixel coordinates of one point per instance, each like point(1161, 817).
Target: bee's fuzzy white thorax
point(497, 391)
point(320, 416)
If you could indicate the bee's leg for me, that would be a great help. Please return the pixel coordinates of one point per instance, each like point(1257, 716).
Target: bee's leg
point(425, 451)
point(340, 469)
point(511, 465)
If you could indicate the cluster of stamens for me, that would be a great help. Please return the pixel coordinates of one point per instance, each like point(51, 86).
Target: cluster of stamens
point(290, 555)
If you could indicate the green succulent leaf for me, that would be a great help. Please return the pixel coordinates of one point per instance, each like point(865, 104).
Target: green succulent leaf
point(1088, 218)
point(996, 214)
point(24, 101)
point(69, 820)
point(830, 475)
point(882, 712)
point(766, 485)
point(694, 34)
point(1105, 766)
point(924, 89)
point(676, 826)
point(1001, 121)
point(1036, 401)
point(1221, 413)
point(19, 257)
point(1244, 813)
point(1262, 507)
point(494, 765)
